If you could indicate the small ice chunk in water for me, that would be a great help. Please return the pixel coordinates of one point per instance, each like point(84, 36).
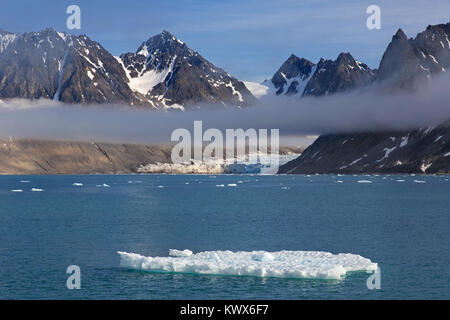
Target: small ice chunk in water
point(220, 185)
point(364, 181)
point(77, 184)
point(419, 181)
point(232, 185)
point(103, 185)
point(37, 190)
point(17, 190)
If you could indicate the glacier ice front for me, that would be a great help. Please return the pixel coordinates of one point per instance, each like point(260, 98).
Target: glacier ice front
point(281, 264)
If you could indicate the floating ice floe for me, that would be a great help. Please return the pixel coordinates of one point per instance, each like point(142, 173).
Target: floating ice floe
point(364, 181)
point(160, 186)
point(37, 190)
point(339, 181)
point(220, 185)
point(281, 264)
point(77, 184)
point(25, 181)
point(400, 180)
point(232, 185)
point(17, 190)
point(419, 181)
point(103, 185)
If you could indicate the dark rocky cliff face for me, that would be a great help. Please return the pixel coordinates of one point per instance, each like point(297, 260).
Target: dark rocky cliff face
point(302, 77)
point(405, 65)
point(345, 73)
point(412, 62)
point(418, 151)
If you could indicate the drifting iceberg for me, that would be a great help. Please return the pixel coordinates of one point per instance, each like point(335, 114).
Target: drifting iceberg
point(281, 264)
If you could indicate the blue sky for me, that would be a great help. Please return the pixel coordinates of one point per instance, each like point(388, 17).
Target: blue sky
point(248, 38)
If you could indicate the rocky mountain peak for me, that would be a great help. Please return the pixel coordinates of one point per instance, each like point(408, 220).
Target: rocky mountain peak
point(344, 73)
point(164, 42)
point(55, 65)
point(407, 63)
point(301, 76)
point(171, 75)
point(291, 75)
point(399, 36)
point(345, 58)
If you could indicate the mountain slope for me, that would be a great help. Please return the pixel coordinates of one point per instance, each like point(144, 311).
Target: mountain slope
point(419, 151)
point(165, 70)
point(405, 64)
point(53, 65)
point(163, 73)
point(27, 156)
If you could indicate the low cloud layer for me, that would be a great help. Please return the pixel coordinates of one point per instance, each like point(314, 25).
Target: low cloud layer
point(365, 110)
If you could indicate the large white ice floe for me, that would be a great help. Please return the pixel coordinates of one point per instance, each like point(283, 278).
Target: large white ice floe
point(281, 264)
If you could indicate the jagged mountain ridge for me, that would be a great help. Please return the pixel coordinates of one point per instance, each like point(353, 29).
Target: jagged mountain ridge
point(55, 65)
point(74, 69)
point(299, 76)
point(408, 61)
point(167, 71)
point(405, 64)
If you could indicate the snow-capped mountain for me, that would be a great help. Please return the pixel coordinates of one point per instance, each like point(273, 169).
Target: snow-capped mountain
point(63, 67)
point(170, 74)
point(405, 64)
point(299, 76)
point(163, 73)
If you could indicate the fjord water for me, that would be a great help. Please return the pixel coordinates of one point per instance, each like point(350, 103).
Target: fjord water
point(401, 225)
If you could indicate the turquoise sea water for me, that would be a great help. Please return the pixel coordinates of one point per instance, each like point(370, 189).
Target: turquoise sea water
point(402, 225)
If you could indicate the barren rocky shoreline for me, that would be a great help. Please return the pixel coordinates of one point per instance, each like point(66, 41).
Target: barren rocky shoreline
point(37, 157)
